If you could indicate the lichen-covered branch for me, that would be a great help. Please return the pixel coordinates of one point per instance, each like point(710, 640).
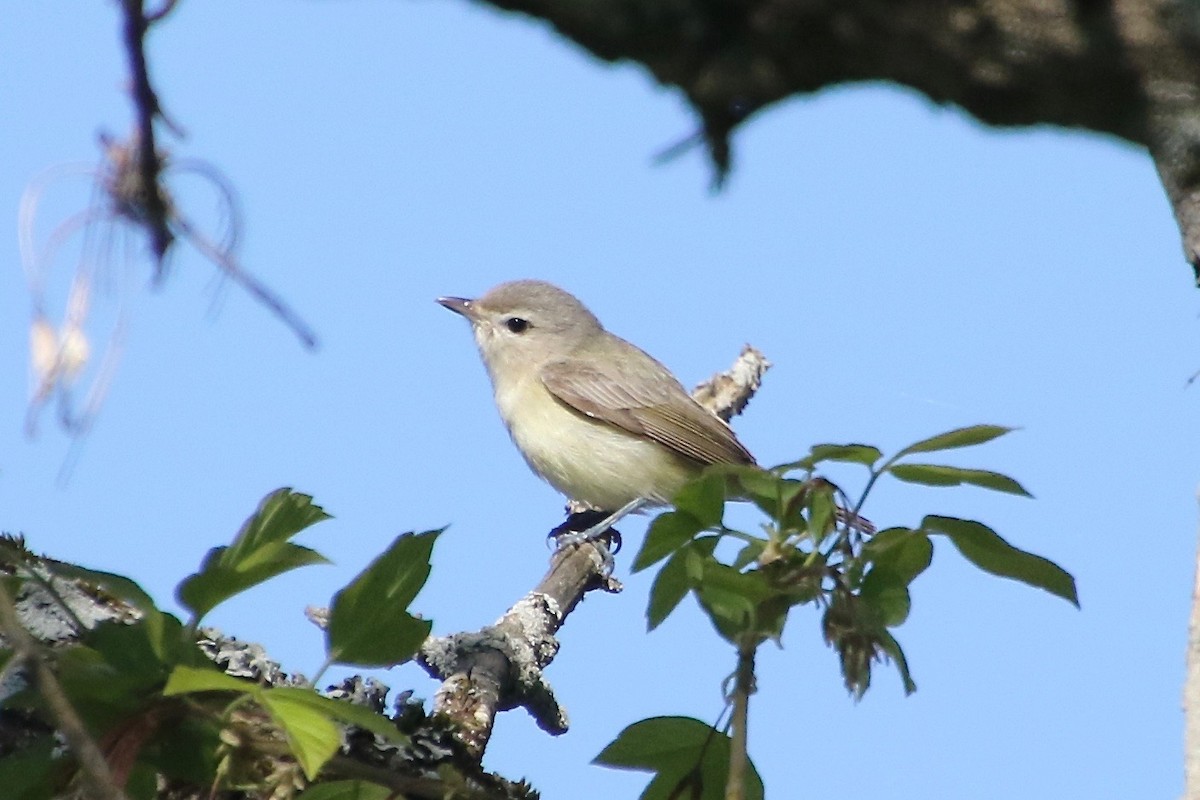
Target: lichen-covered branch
point(1128, 68)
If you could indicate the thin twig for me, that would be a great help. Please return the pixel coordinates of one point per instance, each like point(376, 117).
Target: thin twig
point(147, 110)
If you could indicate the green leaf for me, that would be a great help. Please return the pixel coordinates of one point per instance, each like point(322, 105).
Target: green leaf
point(683, 752)
point(822, 512)
point(890, 602)
point(130, 649)
point(901, 557)
point(960, 437)
point(738, 602)
point(347, 790)
point(30, 772)
point(939, 475)
point(892, 647)
point(260, 551)
point(668, 532)
point(311, 735)
point(185, 680)
point(704, 498)
point(342, 711)
point(369, 623)
point(984, 548)
point(765, 489)
point(863, 454)
point(749, 554)
point(671, 585)
point(186, 749)
point(730, 613)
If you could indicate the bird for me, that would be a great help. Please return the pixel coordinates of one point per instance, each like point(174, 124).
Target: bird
point(595, 416)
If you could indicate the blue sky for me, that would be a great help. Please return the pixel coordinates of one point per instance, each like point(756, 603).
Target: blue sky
point(907, 270)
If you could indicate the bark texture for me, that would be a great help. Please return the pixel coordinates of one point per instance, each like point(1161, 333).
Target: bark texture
point(1128, 68)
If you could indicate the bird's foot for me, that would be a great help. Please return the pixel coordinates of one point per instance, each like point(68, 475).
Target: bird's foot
point(586, 526)
point(583, 527)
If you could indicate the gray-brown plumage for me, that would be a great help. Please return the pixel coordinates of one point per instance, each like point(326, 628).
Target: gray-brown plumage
point(597, 417)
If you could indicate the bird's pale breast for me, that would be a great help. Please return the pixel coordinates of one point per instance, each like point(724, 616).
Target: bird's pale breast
point(584, 458)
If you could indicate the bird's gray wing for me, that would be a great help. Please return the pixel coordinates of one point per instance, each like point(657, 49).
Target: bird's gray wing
point(646, 402)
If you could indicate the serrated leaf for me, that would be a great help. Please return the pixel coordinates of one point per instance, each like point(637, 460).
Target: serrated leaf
point(369, 622)
point(984, 548)
point(670, 586)
point(960, 437)
point(668, 532)
point(280, 516)
point(940, 475)
point(678, 749)
point(312, 737)
point(185, 680)
point(343, 712)
point(260, 551)
point(347, 790)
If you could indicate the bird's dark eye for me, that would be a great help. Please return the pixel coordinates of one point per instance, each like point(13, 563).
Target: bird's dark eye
point(516, 324)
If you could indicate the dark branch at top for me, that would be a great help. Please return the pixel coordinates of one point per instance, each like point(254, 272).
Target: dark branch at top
point(1128, 68)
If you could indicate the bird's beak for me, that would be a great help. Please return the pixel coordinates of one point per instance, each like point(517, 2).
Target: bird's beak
point(460, 305)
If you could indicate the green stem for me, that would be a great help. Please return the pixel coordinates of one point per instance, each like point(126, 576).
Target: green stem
point(743, 687)
point(330, 660)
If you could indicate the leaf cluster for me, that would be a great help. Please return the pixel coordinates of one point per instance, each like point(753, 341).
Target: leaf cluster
point(815, 549)
point(161, 710)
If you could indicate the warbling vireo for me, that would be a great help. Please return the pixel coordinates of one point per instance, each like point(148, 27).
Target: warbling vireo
point(595, 416)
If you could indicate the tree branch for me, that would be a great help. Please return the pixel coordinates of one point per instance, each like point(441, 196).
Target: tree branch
point(1127, 68)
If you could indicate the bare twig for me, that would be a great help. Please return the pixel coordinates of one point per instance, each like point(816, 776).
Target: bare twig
point(97, 777)
point(148, 109)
